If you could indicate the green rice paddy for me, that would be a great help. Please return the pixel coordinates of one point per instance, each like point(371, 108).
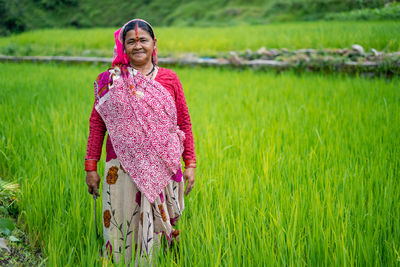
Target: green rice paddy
point(292, 169)
point(209, 41)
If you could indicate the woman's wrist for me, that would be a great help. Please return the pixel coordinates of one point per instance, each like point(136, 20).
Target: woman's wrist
point(190, 163)
point(90, 165)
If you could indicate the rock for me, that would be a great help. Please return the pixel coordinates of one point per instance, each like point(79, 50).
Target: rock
point(306, 51)
point(262, 51)
point(274, 52)
point(222, 61)
point(3, 245)
point(285, 50)
point(265, 54)
point(310, 51)
point(376, 52)
point(358, 48)
point(188, 58)
point(346, 53)
point(328, 59)
point(338, 51)
point(248, 54)
point(268, 55)
point(302, 58)
point(234, 59)
point(341, 51)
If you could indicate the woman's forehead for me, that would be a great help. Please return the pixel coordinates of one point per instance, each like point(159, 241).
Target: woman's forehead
point(140, 32)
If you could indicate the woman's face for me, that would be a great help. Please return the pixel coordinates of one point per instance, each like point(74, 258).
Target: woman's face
point(139, 46)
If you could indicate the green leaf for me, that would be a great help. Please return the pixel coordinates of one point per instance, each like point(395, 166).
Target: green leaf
point(3, 210)
point(6, 226)
point(13, 239)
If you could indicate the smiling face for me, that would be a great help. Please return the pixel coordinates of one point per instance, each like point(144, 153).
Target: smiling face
point(139, 47)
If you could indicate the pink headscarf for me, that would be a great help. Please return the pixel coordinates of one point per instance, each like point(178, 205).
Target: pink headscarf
point(119, 57)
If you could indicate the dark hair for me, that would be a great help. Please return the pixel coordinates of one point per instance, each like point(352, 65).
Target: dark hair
point(141, 24)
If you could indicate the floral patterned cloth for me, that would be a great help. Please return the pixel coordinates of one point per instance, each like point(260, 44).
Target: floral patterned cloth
point(141, 120)
point(131, 224)
point(97, 129)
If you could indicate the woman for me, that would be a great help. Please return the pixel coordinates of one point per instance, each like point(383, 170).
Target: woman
point(143, 109)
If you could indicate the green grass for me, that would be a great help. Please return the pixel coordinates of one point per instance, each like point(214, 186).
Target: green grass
point(292, 170)
point(382, 35)
point(390, 11)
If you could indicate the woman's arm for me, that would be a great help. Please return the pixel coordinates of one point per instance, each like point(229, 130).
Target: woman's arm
point(97, 130)
point(97, 127)
point(184, 123)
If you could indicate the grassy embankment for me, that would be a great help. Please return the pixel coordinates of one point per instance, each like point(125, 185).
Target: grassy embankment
point(382, 35)
point(292, 170)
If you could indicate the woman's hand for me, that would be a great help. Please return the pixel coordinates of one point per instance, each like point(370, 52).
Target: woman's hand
point(188, 176)
point(93, 181)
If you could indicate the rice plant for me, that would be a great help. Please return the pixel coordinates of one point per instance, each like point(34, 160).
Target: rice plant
point(292, 169)
point(210, 41)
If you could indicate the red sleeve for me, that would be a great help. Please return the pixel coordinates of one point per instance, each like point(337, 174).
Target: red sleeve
point(97, 130)
point(183, 119)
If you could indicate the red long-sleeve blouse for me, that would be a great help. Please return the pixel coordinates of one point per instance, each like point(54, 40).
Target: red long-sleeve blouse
point(170, 81)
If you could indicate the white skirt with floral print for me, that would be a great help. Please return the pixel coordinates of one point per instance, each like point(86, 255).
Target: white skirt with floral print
point(128, 215)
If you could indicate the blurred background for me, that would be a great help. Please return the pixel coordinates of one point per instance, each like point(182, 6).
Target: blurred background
point(23, 15)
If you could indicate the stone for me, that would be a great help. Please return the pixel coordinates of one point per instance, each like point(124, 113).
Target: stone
point(248, 54)
point(306, 51)
point(302, 57)
point(234, 58)
point(358, 48)
point(274, 52)
point(3, 245)
point(262, 51)
point(376, 52)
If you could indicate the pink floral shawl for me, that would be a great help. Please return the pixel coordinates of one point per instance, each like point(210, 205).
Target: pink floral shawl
point(140, 116)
